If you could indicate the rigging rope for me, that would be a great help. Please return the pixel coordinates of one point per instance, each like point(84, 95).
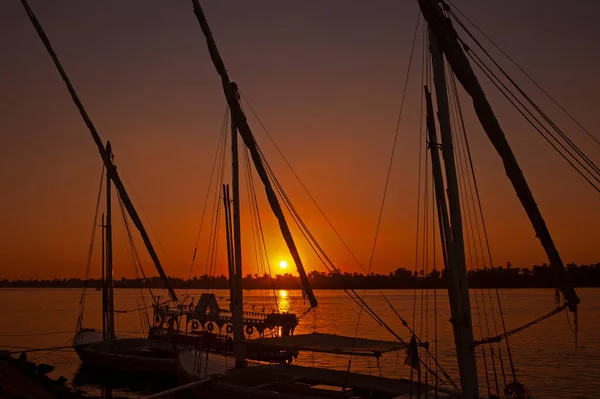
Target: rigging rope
point(26, 349)
point(507, 334)
point(89, 256)
point(212, 174)
point(134, 253)
point(261, 252)
point(336, 272)
point(323, 257)
point(541, 129)
point(435, 311)
point(463, 148)
point(499, 338)
point(34, 334)
point(504, 90)
point(422, 144)
point(211, 253)
point(537, 108)
point(326, 261)
point(576, 154)
point(579, 157)
point(468, 206)
point(331, 268)
point(50, 351)
point(134, 310)
point(137, 268)
point(523, 71)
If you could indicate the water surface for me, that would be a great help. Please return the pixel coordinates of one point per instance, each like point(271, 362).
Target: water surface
point(544, 355)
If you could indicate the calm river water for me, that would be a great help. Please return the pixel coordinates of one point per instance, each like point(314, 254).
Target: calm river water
point(545, 356)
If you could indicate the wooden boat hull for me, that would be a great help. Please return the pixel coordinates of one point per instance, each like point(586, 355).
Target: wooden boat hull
point(221, 344)
point(132, 355)
point(191, 369)
point(297, 382)
point(184, 378)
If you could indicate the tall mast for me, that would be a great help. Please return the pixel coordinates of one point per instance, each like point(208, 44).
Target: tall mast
point(104, 292)
point(445, 35)
point(237, 307)
point(229, 239)
point(236, 300)
point(440, 196)
point(111, 171)
point(110, 328)
point(246, 133)
point(458, 289)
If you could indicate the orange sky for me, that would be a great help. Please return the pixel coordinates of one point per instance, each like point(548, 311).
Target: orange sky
point(326, 79)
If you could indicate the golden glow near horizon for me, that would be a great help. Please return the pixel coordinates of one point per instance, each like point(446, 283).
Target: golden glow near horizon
point(337, 141)
point(283, 264)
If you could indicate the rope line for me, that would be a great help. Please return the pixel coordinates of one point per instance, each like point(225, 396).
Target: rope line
point(541, 129)
point(331, 268)
point(387, 178)
point(502, 336)
point(35, 334)
point(524, 72)
point(336, 272)
point(212, 174)
point(579, 157)
point(90, 253)
point(26, 349)
point(473, 233)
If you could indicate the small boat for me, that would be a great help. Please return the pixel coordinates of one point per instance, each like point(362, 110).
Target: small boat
point(104, 349)
point(138, 355)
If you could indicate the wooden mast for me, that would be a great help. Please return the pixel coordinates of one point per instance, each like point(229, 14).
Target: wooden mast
point(458, 282)
point(228, 236)
point(110, 327)
point(440, 196)
point(111, 171)
point(445, 35)
point(103, 276)
point(237, 307)
point(246, 133)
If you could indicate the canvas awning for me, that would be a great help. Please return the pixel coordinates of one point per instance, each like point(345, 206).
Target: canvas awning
point(330, 343)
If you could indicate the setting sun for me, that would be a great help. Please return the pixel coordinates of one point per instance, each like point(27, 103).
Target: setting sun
point(283, 264)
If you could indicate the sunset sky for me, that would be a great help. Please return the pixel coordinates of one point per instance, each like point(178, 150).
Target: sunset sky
point(326, 79)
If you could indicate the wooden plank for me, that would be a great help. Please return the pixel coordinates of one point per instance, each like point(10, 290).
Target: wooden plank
point(304, 389)
point(253, 393)
point(350, 380)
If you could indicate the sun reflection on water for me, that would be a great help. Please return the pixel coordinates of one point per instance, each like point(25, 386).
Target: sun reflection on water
point(283, 301)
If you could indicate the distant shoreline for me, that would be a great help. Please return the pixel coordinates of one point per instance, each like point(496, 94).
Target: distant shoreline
point(539, 276)
point(294, 288)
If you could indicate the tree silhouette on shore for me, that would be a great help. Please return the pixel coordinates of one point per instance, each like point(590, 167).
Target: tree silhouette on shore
point(538, 276)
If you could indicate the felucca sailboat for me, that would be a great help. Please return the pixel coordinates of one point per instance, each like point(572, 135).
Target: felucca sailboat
point(105, 349)
point(448, 60)
point(132, 355)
